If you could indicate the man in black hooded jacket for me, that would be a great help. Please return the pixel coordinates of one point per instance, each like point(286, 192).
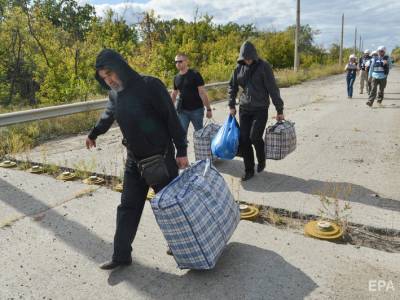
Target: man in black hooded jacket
point(143, 109)
point(257, 80)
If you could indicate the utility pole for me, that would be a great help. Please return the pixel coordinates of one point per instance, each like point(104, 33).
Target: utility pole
point(296, 38)
point(359, 44)
point(355, 41)
point(341, 43)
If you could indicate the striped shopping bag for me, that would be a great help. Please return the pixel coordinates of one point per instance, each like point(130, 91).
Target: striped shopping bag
point(197, 215)
point(202, 141)
point(280, 140)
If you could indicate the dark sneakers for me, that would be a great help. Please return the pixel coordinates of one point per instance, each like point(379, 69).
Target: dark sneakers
point(369, 103)
point(261, 166)
point(248, 175)
point(110, 265)
point(380, 101)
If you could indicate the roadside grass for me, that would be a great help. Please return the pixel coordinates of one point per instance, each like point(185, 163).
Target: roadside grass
point(23, 137)
point(289, 77)
point(84, 169)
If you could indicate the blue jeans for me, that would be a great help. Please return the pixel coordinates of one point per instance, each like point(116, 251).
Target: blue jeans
point(195, 116)
point(350, 81)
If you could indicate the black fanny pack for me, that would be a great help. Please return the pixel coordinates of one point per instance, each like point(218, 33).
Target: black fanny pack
point(154, 169)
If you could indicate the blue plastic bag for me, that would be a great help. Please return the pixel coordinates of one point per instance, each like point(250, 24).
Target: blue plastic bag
point(225, 144)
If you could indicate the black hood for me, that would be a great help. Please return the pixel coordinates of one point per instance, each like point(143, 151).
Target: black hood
point(112, 60)
point(247, 51)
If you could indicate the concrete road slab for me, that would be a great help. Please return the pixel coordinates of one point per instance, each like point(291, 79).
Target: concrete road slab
point(57, 255)
point(341, 143)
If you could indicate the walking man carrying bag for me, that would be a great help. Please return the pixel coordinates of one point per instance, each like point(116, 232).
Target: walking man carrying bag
point(256, 78)
point(150, 127)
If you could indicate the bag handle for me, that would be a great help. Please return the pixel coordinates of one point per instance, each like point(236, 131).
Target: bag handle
point(237, 123)
point(209, 121)
point(207, 166)
point(273, 127)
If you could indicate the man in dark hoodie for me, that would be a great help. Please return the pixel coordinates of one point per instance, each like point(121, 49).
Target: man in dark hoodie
point(257, 80)
point(143, 109)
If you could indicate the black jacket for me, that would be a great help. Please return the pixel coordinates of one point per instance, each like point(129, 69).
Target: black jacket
point(143, 110)
point(257, 80)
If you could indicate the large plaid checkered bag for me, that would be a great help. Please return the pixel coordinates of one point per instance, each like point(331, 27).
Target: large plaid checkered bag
point(197, 215)
point(202, 141)
point(280, 140)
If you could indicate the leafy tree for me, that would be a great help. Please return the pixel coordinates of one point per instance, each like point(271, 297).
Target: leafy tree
point(69, 15)
point(396, 53)
point(48, 48)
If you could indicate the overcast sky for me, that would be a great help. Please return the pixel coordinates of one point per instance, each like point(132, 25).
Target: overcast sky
point(377, 21)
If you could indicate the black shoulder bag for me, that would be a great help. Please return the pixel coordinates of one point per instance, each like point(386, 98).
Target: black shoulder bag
point(152, 169)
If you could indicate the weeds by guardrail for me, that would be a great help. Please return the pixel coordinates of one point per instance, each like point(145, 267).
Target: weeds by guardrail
point(56, 121)
point(63, 110)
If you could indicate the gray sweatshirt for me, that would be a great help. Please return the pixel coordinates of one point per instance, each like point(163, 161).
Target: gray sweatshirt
point(257, 80)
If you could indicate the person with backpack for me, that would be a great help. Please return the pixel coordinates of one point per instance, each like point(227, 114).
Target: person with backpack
point(378, 71)
point(363, 72)
point(367, 65)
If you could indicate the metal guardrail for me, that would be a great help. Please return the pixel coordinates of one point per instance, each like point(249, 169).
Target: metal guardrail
point(63, 110)
point(50, 112)
point(216, 84)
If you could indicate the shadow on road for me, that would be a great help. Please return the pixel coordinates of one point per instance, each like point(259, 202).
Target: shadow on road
point(72, 233)
point(386, 106)
point(243, 272)
point(267, 182)
point(366, 99)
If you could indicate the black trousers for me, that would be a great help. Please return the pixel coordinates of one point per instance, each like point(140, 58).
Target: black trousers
point(382, 84)
point(133, 199)
point(252, 126)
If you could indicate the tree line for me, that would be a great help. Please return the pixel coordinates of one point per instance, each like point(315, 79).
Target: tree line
point(48, 48)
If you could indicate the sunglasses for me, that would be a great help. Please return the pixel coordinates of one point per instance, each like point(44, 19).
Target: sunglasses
point(178, 61)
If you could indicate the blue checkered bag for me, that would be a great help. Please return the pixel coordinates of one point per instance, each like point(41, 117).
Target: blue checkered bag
point(202, 141)
point(197, 215)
